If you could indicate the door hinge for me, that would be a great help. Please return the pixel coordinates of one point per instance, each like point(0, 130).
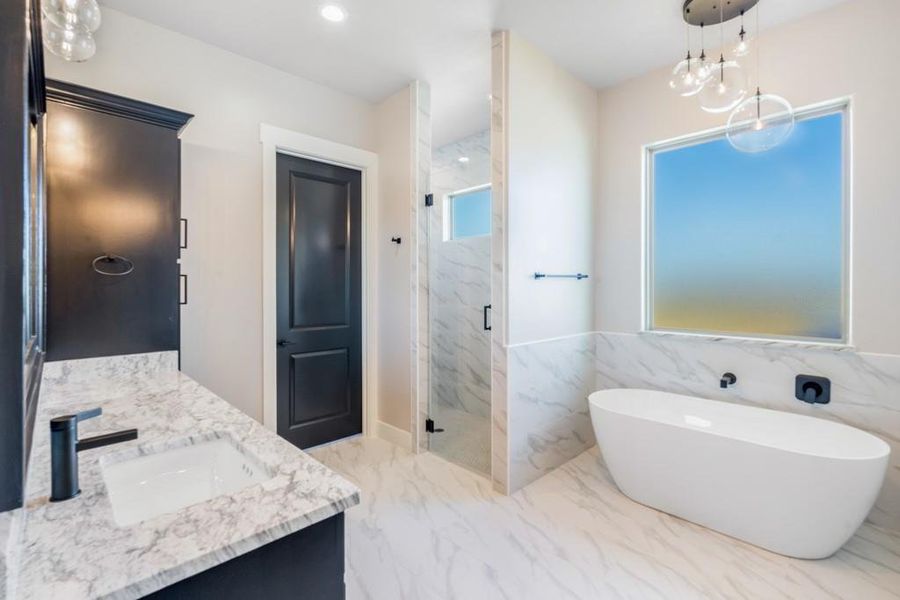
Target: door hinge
point(429, 199)
point(430, 428)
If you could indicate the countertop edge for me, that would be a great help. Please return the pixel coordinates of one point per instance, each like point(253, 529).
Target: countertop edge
point(210, 560)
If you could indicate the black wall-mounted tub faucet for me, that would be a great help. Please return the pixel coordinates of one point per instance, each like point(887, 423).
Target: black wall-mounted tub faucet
point(727, 379)
point(812, 389)
point(64, 449)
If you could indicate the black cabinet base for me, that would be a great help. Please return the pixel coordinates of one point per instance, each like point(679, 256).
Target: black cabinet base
point(306, 565)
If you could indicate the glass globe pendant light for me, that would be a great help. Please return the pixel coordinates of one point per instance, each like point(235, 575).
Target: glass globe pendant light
point(68, 44)
point(69, 26)
point(762, 121)
point(685, 81)
point(727, 86)
point(686, 77)
point(742, 48)
point(704, 68)
point(82, 16)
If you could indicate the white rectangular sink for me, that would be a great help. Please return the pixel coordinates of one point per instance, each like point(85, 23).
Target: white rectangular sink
point(164, 482)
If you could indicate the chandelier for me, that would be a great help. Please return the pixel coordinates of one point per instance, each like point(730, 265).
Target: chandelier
point(757, 122)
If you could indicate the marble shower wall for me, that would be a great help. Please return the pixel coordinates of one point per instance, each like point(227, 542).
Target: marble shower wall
point(499, 201)
point(459, 285)
point(419, 338)
point(865, 388)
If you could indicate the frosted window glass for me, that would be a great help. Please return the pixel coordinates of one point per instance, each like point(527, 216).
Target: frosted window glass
point(471, 213)
point(751, 244)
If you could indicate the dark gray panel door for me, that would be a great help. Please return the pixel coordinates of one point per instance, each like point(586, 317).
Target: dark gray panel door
point(319, 262)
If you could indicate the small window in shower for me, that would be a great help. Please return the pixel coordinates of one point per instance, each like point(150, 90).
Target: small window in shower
point(470, 212)
point(750, 245)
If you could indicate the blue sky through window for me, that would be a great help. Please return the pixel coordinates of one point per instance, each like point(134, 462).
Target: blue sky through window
point(471, 213)
point(751, 243)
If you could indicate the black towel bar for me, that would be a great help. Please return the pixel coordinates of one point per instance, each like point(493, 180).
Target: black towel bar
point(578, 276)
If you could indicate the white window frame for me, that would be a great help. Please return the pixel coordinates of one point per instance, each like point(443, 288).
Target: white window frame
point(843, 106)
point(448, 212)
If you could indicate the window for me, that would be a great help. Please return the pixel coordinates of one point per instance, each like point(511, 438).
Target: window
point(470, 212)
point(750, 244)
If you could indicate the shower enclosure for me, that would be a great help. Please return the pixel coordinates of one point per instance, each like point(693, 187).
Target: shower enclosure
point(459, 264)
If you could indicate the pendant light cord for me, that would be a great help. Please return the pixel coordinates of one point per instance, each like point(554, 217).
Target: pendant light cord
point(721, 42)
point(758, 47)
point(722, 27)
point(758, 50)
point(687, 36)
point(702, 44)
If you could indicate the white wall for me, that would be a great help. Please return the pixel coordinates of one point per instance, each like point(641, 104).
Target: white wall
point(394, 148)
point(849, 50)
point(552, 120)
point(221, 176)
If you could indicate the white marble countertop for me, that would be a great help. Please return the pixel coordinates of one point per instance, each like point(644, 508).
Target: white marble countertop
point(74, 549)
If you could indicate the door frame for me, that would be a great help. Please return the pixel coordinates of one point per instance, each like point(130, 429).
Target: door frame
point(274, 141)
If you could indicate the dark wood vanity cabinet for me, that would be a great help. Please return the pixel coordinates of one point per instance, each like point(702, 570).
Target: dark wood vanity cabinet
point(113, 203)
point(305, 565)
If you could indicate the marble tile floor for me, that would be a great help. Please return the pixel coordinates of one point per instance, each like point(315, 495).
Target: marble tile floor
point(427, 529)
point(466, 439)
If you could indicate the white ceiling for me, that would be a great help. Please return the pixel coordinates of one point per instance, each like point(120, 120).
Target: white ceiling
point(386, 43)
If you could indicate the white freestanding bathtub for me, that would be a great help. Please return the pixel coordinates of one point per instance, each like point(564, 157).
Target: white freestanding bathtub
point(792, 484)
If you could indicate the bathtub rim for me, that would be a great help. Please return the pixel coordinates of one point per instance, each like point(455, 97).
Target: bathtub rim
point(885, 448)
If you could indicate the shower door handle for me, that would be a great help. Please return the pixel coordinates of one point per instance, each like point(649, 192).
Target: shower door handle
point(485, 310)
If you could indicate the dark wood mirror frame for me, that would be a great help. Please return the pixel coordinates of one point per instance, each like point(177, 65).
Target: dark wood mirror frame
point(22, 245)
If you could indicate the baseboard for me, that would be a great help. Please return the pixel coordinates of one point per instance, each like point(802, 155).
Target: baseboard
point(392, 434)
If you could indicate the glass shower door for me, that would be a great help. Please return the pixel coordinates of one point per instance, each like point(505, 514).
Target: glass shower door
point(459, 262)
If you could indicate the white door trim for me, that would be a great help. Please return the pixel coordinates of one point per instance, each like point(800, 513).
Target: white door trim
point(275, 140)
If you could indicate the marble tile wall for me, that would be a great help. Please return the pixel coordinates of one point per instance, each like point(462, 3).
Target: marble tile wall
point(499, 424)
point(865, 387)
point(460, 285)
point(549, 421)
point(419, 339)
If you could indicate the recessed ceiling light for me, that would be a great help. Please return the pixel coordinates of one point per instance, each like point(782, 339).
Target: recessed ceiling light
point(463, 159)
point(333, 12)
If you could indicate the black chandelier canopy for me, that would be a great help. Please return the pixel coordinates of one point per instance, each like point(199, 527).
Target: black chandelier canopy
point(713, 12)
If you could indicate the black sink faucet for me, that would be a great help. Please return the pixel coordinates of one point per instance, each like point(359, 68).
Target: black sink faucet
point(64, 449)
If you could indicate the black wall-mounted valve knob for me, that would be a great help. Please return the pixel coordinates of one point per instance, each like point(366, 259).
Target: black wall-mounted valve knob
point(396, 240)
point(727, 379)
point(812, 389)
